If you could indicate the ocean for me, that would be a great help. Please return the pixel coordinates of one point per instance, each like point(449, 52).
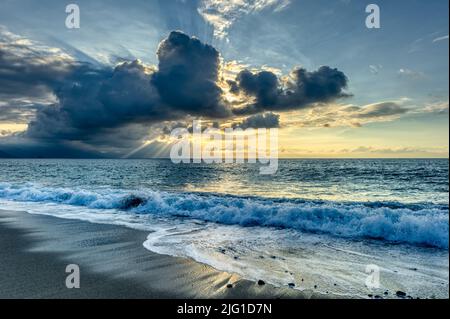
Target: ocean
point(316, 224)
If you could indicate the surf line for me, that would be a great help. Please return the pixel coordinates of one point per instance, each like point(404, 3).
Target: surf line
point(231, 145)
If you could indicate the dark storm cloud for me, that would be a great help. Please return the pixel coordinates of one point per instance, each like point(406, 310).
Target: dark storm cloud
point(99, 109)
point(29, 72)
point(16, 146)
point(303, 88)
point(234, 87)
point(95, 100)
point(16, 111)
point(265, 120)
point(263, 85)
point(103, 106)
point(167, 128)
point(187, 76)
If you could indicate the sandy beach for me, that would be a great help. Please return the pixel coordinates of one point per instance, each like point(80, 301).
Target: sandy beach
point(35, 250)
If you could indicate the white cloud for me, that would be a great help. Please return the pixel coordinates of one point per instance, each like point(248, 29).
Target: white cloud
point(222, 14)
point(437, 107)
point(445, 37)
point(347, 115)
point(411, 74)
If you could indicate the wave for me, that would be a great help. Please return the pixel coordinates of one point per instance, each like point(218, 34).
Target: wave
point(422, 224)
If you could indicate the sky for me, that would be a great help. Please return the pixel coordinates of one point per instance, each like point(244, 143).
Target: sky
point(134, 70)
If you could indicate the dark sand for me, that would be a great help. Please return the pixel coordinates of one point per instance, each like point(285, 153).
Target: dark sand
point(35, 250)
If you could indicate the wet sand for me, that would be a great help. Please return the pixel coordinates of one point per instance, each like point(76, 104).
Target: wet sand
point(35, 250)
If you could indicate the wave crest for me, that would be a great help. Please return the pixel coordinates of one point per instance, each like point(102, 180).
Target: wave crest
point(417, 224)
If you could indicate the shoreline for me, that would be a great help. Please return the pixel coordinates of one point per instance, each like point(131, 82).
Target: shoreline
point(35, 250)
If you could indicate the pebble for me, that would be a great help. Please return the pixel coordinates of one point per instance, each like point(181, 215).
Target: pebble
point(229, 286)
point(261, 282)
point(291, 285)
point(400, 294)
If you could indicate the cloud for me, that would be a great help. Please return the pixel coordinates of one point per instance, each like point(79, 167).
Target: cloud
point(4, 154)
point(17, 111)
point(410, 74)
point(303, 88)
point(28, 69)
point(438, 39)
point(437, 107)
point(377, 110)
point(16, 146)
point(95, 101)
point(337, 115)
point(187, 76)
point(91, 106)
point(262, 85)
point(102, 110)
point(4, 133)
point(265, 120)
point(222, 14)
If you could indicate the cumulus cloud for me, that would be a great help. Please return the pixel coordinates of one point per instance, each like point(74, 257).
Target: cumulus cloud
point(187, 76)
point(28, 69)
point(99, 109)
point(300, 89)
point(94, 101)
point(265, 120)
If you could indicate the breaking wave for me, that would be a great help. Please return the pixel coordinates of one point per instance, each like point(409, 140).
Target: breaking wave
point(422, 224)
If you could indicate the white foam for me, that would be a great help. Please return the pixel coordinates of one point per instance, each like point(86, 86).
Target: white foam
point(334, 264)
point(424, 224)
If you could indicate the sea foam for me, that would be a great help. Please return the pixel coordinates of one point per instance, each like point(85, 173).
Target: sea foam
point(422, 224)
